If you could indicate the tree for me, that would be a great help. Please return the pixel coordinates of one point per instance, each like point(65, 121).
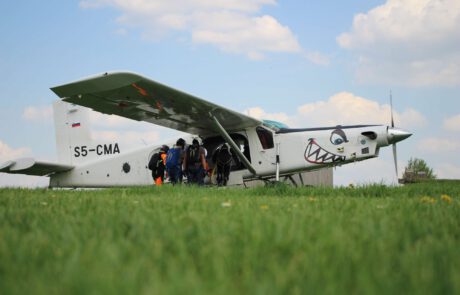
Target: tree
point(418, 169)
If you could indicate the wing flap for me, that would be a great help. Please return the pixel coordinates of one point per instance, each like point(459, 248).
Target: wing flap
point(29, 166)
point(135, 97)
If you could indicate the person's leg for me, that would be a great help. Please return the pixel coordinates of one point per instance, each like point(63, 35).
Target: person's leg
point(226, 173)
point(158, 181)
point(189, 175)
point(219, 175)
point(172, 175)
point(179, 175)
point(200, 176)
point(193, 177)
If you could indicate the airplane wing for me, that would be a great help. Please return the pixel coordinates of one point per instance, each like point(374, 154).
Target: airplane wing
point(29, 166)
point(135, 97)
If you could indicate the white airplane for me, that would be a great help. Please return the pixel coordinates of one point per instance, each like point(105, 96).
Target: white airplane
point(266, 149)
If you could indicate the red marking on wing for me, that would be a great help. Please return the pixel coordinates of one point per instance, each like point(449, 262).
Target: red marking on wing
point(159, 106)
point(141, 90)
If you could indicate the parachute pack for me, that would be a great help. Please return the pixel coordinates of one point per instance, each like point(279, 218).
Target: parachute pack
point(173, 158)
point(193, 155)
point(223, 155)
point(153, 163)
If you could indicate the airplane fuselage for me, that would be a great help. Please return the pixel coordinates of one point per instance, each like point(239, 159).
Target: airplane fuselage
point(298, 150)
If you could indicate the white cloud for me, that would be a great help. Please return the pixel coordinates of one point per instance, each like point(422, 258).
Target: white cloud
point(40, 113)
point(439, 145)
point(8, 153)
point(259, 113)
point(407, 42)
point(452, 123)
point(343, 108)
point(234, 26)
point(251, 36)
point(425, 22)
point(347, 108)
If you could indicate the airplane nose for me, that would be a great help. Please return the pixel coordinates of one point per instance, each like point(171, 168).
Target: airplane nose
point(395, 135)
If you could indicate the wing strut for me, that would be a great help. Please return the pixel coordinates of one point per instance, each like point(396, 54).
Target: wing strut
point(230, 141)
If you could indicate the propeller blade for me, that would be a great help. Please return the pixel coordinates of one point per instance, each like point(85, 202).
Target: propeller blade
point(391, 110)
point(395, 157)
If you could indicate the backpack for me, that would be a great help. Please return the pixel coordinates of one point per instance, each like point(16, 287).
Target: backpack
point(153, 163)
point(224, 155)
point(173, 158)
point(193, 155)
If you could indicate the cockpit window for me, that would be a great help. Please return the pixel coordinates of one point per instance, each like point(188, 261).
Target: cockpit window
point(274, 125)
point(265, 137)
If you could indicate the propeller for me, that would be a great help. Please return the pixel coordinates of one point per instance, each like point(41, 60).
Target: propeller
point(395, 154)
point(394, 135)
point(391, 110)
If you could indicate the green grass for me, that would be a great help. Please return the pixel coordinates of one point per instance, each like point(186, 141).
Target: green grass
point(278, 240)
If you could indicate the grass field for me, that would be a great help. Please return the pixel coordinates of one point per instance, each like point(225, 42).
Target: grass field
point(278, 240)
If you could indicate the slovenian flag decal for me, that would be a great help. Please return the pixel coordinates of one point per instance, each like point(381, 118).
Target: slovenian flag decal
point(75, 125)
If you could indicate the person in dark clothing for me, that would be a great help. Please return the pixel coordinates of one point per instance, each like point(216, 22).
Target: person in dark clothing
point(158, 173)
point(195, 163)
point(222, 158)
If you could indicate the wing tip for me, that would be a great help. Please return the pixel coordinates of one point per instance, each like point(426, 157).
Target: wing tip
point(69, 89)
point(4, 167)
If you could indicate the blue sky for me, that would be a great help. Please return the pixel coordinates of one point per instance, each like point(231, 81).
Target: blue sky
point(306, 63)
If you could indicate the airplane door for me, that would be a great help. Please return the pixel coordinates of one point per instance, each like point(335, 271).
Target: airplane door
point(263, 150)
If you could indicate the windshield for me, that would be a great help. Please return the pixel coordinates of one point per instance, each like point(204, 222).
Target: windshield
point(274, 125)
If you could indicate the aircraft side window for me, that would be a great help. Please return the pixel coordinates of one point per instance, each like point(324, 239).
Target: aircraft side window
point(265, 137)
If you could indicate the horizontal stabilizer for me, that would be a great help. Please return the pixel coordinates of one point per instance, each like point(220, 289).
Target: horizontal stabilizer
point(30, 166)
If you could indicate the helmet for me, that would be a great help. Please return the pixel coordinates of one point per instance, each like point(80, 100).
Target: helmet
point(197, 141)
point(180, 142)
point(165, 148)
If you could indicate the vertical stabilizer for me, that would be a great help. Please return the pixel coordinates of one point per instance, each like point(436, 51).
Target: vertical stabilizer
point(72, 131)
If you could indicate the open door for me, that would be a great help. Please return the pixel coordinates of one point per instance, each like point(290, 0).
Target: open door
point(213, 143)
